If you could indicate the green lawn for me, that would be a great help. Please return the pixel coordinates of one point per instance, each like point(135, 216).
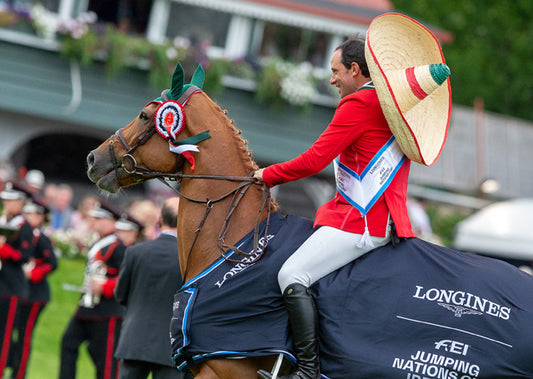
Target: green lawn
point(45, 355)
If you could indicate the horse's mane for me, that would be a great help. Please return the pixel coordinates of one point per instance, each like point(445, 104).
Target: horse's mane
point(243, 145)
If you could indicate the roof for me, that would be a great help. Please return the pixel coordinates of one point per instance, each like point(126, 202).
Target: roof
point(344, 17)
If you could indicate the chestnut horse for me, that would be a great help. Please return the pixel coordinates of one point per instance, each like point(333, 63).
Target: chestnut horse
point(457, 315)
point(232, 160)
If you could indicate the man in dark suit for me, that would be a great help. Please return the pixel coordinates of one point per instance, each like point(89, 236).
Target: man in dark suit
point(149, 276)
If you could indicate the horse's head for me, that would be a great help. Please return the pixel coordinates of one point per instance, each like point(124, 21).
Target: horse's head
point(153, 144)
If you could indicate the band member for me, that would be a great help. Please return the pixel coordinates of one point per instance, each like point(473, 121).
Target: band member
point(98, 317)
point(42, 263)
point(15, 250)
point(128, 229)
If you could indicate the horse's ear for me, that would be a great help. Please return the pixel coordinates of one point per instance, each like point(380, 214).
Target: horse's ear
point(198, 77)
point(177, 82)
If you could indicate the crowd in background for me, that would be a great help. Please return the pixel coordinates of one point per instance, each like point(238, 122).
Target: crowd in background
point(92, 227)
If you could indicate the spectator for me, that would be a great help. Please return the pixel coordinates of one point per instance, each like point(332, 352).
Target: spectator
point(149, 277)
point(98, 317)
point(80, 217)
point(49, 194)
point(147, 212)
point(61, 216)
point(42, 263)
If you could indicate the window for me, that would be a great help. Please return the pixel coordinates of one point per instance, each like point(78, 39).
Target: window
point(130, 16)
point(294, 44)
point(198, 25)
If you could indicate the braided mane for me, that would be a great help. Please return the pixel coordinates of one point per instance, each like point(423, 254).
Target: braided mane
point(243, 147)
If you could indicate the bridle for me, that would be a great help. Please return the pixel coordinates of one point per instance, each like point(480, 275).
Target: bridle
point(141, 173)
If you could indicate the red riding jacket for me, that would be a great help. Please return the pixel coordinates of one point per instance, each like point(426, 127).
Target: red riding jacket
point(356, 133)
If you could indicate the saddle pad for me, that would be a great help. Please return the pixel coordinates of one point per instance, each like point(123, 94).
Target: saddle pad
point(419, 310)
point(236, 309)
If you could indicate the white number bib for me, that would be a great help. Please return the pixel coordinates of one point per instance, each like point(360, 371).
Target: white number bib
point(363, 191)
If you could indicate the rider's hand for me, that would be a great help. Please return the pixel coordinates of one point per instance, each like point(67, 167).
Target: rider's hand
point(258, 174)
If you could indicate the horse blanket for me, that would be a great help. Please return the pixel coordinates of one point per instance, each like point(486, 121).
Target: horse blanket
point(414, 311)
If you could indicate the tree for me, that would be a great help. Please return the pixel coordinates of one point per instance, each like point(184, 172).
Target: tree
point(491, 55)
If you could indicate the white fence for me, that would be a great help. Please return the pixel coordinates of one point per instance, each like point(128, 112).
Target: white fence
point(483, 146)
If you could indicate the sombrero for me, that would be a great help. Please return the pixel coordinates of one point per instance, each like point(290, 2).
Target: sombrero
point(411, 79)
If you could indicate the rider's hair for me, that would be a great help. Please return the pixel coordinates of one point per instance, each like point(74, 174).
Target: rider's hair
point(353, 50)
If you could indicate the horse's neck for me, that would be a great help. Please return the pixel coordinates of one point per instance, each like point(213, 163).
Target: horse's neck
point(222, 155)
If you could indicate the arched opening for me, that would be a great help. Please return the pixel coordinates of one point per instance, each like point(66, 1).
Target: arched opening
point(61, 157)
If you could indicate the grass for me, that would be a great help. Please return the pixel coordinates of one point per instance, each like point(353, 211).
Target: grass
point(46, 347)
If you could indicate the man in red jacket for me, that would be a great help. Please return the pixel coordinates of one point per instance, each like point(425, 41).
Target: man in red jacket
point(350, 225)
point(371, 166)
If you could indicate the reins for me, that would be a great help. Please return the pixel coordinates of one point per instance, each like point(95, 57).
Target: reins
point(238, 193)
point(140, 173)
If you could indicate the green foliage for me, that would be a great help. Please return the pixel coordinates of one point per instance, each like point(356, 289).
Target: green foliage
point(213, 76)
point(81, 49)
point(443, 222)
point(161, 67)
point(119, 49)
point(491, 55)
point(269, 86)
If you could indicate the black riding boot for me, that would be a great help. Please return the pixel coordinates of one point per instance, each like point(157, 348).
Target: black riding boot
point(304, 324)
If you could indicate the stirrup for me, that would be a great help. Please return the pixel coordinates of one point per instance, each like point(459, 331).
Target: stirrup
point(262, 374)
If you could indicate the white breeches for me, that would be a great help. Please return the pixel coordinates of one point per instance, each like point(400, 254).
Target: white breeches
point(325, 251)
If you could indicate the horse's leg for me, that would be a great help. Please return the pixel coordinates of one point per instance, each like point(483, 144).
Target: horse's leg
point(204, 372)
point(236, 368)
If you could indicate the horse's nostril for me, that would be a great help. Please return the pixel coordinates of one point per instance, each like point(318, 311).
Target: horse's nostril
point(90, 159)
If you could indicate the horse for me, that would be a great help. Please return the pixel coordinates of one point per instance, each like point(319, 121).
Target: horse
point(431, 312)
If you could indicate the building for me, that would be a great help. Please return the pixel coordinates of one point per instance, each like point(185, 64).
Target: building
point(55, 110)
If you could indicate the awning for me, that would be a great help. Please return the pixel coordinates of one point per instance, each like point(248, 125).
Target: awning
point(283, 12)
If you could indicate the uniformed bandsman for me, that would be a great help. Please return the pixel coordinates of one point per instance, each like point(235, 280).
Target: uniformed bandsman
point(16, 248)
point(36, 270)
point(98, 317)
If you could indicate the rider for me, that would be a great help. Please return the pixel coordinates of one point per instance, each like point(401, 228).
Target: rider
point(370, 204)
point(356, 133)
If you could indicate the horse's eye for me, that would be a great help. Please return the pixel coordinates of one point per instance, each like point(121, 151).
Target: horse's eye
point(143, 116)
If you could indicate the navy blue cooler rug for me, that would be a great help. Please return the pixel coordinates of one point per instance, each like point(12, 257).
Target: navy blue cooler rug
point(413, 311)
point(236, 309)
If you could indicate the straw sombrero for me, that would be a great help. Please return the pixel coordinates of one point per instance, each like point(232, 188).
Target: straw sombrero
point(411, 78)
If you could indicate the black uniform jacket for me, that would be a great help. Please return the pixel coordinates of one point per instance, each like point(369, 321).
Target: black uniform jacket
point(12, 279)
point(110, 251)
point(149, 277)
point(44, 262)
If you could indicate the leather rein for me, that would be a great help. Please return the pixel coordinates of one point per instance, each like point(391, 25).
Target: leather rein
point(140, 173)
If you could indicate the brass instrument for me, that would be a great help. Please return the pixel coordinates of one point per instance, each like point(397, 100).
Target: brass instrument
point(95, 270)
point(7, 228)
